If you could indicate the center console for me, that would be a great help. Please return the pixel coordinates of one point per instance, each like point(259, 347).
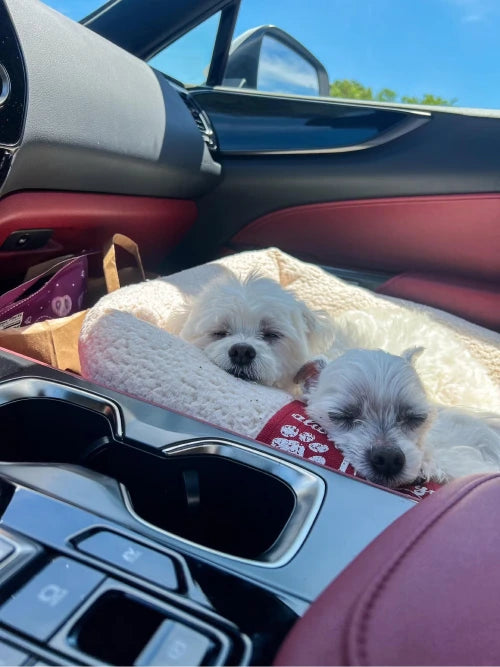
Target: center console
point(130, 534)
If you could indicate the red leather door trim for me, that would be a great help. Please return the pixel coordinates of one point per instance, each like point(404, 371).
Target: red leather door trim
point(457, 234)
point(84, 221)
point(477, 302)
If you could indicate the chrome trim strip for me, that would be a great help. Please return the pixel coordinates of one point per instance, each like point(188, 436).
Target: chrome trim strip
point(309, 490)
point(407, 125)
point(414, 110)
point(18, 549)
point(4, 85)
point(24, 550)
point(22, 388)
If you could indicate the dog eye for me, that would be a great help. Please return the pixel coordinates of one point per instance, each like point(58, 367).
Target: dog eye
point(271, 335)
point(220, 334)
point(347, 419)
point(411, 420)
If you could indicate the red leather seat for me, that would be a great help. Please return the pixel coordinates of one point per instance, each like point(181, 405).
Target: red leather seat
point(476, 301)
point(425, 592)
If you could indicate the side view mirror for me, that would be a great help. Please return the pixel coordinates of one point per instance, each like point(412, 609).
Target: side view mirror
point(269, 59)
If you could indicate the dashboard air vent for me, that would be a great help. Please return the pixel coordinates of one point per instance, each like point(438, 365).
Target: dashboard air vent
point(202, 121)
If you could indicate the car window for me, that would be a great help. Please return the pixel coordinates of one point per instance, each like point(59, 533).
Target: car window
point(75, 9)
point(188, 58)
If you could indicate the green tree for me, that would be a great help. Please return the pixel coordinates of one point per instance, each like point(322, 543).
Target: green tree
point(354, 90)
point(350, 89)
point(386, 95)
point(431, 100)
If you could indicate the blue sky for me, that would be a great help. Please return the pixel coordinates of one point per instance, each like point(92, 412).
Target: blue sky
point(448, 48)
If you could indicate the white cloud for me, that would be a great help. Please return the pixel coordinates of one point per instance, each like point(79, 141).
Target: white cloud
point(474, 11)
point(281, 66)
point(472, 18)
point(276, 69)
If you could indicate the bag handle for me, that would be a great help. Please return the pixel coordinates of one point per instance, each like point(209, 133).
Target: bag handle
point(109, 260)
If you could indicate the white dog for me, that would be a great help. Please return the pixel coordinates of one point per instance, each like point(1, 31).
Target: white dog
point(374, 407)
point(255, 329)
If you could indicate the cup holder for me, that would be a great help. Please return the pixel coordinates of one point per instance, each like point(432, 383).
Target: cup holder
point(223, 496)
point(215, 502)
point(50, 430)
point(218, 495)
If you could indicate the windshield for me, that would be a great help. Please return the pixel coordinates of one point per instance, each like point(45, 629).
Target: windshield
point(75, 9)
point(422, 52)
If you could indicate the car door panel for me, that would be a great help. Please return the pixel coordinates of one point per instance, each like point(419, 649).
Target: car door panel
point(453, 153)
point(425, 202)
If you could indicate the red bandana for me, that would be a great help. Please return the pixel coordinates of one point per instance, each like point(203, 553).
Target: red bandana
point(291, 430)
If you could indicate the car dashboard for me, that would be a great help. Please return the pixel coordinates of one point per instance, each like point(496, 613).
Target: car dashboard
point(96, 118)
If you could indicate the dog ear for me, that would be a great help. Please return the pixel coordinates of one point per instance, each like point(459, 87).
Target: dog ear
point(320, 333)
point(412, 354)
point(309, 373)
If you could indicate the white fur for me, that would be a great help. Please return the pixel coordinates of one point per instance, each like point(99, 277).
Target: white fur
point(257, 312)
point(448, 371)
point(461, 442)
point(382, 388)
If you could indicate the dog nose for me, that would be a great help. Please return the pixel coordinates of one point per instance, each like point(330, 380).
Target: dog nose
point(241, 354)
point(387, 460)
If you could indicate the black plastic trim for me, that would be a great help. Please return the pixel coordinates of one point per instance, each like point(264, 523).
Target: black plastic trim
point(252, 125)
point(222, 44)
point(13, 108)
point(5, 162)
point(156, 24)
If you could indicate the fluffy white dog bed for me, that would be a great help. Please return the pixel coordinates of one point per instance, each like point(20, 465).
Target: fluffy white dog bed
point(128, 343)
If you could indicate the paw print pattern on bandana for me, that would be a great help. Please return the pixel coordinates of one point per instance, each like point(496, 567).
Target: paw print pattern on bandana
point(289, 431)
point(292, 446)
point(318, 459)
point(318, 447)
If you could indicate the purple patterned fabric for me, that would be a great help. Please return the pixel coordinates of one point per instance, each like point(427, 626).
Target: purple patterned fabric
point(46, 297)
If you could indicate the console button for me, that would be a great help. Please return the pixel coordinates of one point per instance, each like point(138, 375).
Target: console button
point(132, 557)
point(46, 601)
point(6, 548)
point(174, 644)
point(11, 656)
